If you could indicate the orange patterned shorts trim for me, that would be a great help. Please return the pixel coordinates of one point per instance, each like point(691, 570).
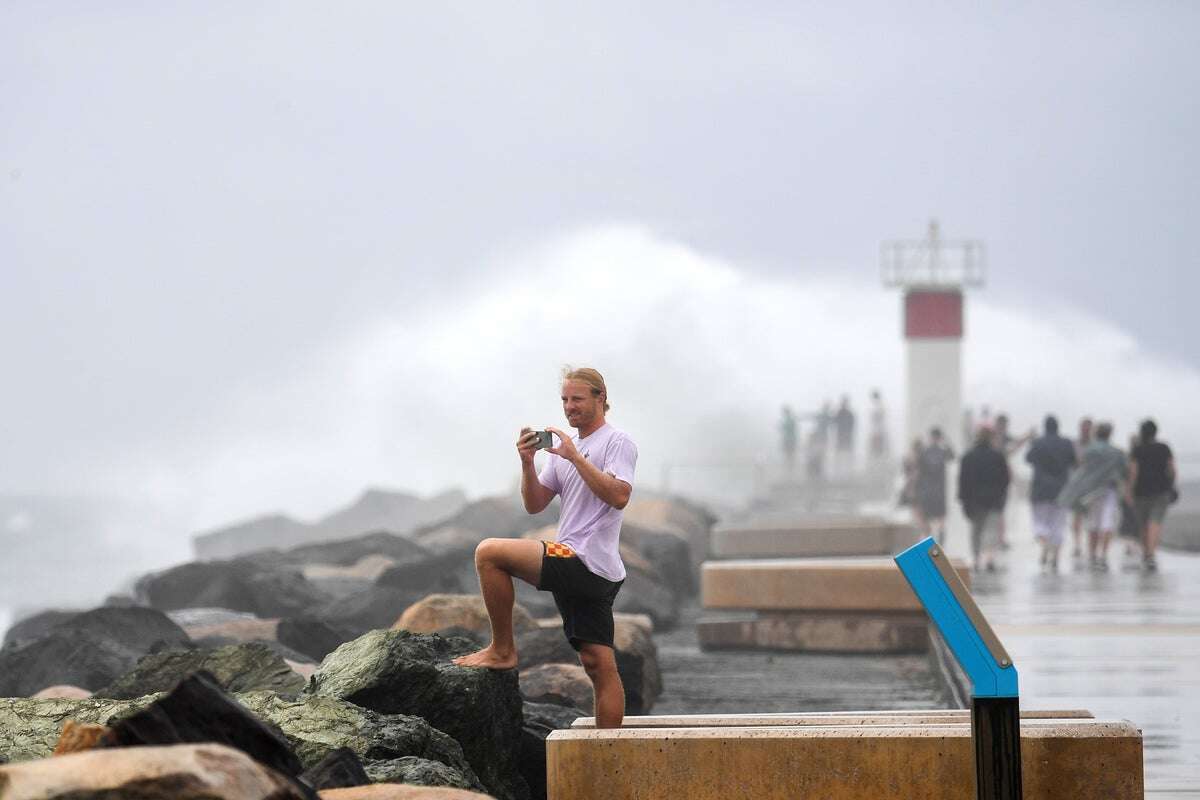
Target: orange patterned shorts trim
point(556, 550)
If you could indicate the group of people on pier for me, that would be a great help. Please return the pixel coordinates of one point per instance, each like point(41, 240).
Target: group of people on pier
point(832, 432)
point(1087, 485)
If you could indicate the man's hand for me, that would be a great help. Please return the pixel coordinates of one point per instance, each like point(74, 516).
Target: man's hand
point(566, 448)
point(526, 445)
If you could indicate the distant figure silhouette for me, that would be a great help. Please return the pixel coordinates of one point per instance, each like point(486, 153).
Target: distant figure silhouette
point(878, 446)
point(1152, 488)
point(1094, 488)
point(1052, 457)
point(787, 438)
point(983, 478)
point(843, 449)
point(931, 485)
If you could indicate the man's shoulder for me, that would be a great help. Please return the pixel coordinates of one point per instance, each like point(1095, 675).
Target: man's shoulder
point(613, 434)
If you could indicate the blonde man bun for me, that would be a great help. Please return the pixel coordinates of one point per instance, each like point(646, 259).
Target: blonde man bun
point(589, 376)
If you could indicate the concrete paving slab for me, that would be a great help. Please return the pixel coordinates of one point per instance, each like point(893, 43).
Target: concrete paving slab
point(810, 536)
point(816, 584)
point(819, 632)
point(827, 718)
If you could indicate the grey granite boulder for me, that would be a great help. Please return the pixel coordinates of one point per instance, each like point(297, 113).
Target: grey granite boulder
point(397, 672)
point(315, 726)
point(419, 772)
point(239, 585)
point(29, 729)
point(88, 650)
point(236, 668)
point(540, 720)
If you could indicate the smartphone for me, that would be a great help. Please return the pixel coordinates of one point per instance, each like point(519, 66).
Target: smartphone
point(545, 439)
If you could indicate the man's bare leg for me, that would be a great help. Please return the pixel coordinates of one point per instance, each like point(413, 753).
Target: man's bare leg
point(498, 561)
point(601, 666)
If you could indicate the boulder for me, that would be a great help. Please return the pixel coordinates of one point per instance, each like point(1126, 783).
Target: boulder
point(180, 772)
point(340, 769)
point(399, 672)
point(240, 585)
point(540, 720)
point(438, 612)
point(419, 772)
point(377, 546)
point(637, 662)
point(316, 726)
point(670, 555)
point(452, 573)
point(247, 629)
point(199, 710)
point(369, 609)
point(62, 692)
point(502, 517)
point(31, 729)
point(380, 509)
point(339, 581)
point(644, 593)
point(87, 650)
point(311, 637)
point(560, 684)
point(235, 668)
point(450, 539)
point(36, 626)
point(78, 736)
point(544, 646)
point(397, 791)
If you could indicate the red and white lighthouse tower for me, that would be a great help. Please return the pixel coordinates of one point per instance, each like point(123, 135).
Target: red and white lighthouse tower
point(933, 273)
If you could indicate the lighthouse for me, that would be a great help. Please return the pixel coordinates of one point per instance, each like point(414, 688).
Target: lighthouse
point(933, 274)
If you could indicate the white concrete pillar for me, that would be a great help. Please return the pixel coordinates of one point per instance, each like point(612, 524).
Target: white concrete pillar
point(933, 327)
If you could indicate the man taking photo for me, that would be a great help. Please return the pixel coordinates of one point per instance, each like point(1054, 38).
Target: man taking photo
point(593, 474)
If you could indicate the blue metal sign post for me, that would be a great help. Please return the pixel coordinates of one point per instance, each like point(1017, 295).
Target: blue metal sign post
point(995, 705)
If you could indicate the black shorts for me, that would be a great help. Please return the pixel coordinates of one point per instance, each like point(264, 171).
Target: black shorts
point(584, 599)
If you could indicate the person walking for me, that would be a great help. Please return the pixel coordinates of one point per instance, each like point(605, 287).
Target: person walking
point(878, 444)
point(843, 439)
point(1007, 444)
point(1081, 444)
point(1094, 490)
point(787, 439)
point(1152, 488)
point(592, 472)
point(931, 485)
point(908, 489)
point(983, 478)
point(1052, 457)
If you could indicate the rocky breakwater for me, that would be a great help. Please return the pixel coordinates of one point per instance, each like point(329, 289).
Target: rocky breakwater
point(388, 707)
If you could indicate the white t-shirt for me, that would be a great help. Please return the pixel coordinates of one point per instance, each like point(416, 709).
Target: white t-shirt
point(587, 524)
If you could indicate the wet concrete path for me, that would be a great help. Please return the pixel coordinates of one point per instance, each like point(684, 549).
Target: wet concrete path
point(1123, 644)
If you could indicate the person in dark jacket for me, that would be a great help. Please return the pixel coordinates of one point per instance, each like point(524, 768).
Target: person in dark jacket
point(1151, 488)
point(1052, 457)
point(983, 478)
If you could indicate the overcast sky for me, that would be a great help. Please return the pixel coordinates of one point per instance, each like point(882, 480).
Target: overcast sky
point(200, 201)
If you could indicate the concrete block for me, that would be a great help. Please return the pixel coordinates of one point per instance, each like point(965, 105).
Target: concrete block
point(819, 631)
point(1078, 759)
point(810, 584)
point(810, 536)
point(826, 718)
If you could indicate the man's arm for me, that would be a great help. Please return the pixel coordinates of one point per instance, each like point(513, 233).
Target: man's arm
point(534, 494)
point(608, 488)
point(611, 490)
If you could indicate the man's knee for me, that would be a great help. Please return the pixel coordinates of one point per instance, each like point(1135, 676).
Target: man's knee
point(488, 552)
point(597, 661)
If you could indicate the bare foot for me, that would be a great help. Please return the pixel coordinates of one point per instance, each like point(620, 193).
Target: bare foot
point(490, 658)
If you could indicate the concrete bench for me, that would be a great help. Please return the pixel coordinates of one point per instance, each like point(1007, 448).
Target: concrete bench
point(809, 584)
point(810, 536)
point(1082, 759)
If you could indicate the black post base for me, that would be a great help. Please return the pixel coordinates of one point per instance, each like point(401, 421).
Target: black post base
point(996, 733)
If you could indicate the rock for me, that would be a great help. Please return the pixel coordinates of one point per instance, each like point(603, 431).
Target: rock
point(315, 726)
point(248, 629)
point(281, 650)
point(31, 729)
point(418, 771)
point(561, 684)
point(239, 585)
point(670, 555)
point(198, 710)
point(303, 669)
point(311, 637)
point(260, 533)
point(544, 646)
point(398, 672)
point(450, 539)
point(453, 573)
point(180, 772)
point(62, 692)
point(88, 650)
point(340, 769)
point(644, 593)
point(78, 736)
point(235, 668)
point(438, 612)
point(370, 609)
point(340, 581)
point(540, 720)
point(36, 626)
point(503, 517)
point(397, 791)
